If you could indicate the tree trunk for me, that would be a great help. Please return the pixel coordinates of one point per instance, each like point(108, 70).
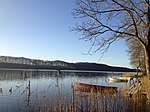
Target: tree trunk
point(147, 62)
point(147, 52)
point(147, 55)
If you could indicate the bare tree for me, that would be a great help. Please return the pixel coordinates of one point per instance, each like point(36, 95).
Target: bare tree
point(105, 21)
point(136, 52)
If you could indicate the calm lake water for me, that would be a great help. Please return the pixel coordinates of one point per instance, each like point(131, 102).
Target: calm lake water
point(21, 89)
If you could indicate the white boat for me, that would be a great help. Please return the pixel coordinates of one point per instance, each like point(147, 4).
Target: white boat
point(125, 78)
point(117, 80)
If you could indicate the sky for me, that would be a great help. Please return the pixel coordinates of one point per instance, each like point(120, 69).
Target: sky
point(40, 29)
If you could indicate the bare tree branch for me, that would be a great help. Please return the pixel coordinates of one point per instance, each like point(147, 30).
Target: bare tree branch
point(105, 21)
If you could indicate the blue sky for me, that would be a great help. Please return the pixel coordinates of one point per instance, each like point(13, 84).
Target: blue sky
point(40, 29)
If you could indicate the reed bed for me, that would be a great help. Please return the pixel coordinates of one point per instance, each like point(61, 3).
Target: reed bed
point(90, 102)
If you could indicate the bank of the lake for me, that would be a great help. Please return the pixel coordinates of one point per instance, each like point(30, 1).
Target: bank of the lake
point(23, 90)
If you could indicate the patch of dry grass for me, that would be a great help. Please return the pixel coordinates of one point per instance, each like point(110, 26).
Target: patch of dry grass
point(146, 87)
point(88, 102)
point(92, 101)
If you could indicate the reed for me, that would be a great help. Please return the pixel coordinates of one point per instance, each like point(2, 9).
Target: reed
point(88, 102)
point(91, 101)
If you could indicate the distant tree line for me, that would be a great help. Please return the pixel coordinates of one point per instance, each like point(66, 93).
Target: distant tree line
point(25, 63)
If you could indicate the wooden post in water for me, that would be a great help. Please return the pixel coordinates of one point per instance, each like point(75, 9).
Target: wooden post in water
point(28, 93)
point(131, 81)
point(72, 106)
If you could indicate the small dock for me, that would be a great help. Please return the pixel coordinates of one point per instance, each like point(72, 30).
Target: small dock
point(134, 89)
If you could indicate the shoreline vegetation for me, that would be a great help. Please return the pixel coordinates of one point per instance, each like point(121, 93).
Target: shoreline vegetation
point(99, 102)
point(104, 101)
point(26, 63)
point(76, 101)
point(91, 101)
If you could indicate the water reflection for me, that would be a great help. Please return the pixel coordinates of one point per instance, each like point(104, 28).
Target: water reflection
point(22, 89)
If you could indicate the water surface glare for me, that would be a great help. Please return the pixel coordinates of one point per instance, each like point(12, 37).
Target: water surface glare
point(21, 89)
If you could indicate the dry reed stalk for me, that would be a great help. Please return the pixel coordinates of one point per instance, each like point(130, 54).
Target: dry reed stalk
point(54, 105)
point(67, 105)
point(99, 95)
point(92, 102)
point(61, 104)
point(77, 102)
point(36, 107)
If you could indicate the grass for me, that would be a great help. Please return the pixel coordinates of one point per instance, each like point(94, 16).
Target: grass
point(91, 102)
point(146, 87)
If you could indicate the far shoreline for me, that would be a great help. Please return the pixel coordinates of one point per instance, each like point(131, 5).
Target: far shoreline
point(49, 70)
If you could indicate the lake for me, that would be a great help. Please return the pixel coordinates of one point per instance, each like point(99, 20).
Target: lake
point(29, 90)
